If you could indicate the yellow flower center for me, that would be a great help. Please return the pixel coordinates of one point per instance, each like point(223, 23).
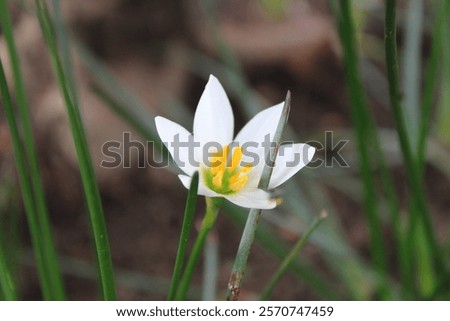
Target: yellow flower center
point(226, 175)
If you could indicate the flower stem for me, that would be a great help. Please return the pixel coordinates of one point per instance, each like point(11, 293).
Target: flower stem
point(184, 237)
point(212, 209)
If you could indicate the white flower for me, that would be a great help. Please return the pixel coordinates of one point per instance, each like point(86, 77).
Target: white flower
point(231, 168)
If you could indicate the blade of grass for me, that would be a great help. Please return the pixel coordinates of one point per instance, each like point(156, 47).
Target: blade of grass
point(372, 137)
point(361, 122)
point(248, 235)
point(26, 188)
point(85, 163)
point(290, 258)
point(443, 117)
point(442, 13)
point(7, 284)
point(412, 69)
point(66, 57)
point(419, 212)
point(212, 209)
point(318, 282)
point(189, 212)
point(55, 287)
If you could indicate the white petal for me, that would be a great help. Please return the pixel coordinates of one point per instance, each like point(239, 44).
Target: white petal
point(253, 198)
point(290, 159)
point(202, 189)
point(168, 131)
point(261, 128)
point(213, 120)
point(263, 123)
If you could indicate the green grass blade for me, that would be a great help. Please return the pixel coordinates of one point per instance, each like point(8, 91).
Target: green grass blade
point(26, 188)
point(284, 266)
point(412, 69)
point(56, 289)
point(7, 284)
point(442, 14)
point(85, 163)
point(361, 121)
point(385, 176)
point(189, 212)
point(419, 212)
point(66, 57)
point(212, 209)
point(248, 235)
point(318, 282)
point(442, 44)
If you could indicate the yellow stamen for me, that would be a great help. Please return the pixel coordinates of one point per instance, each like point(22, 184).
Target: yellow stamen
point(218, 179)
point(219, 160)
point(238, 184)
point(225, 174)
point(236, 159)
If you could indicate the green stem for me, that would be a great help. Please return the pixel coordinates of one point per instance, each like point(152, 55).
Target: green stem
point(85, 162)
point(6, 280)
point(55, 289)
point(361, 122)
point(413, 171)
point(212, 209)
point(184, 237)
point(289, 259)
point(431, 77)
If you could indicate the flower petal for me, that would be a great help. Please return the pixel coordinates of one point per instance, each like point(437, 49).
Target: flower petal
point(214, 120)
point(170, 132)
point(253, 198)
point(202, 189)
point(263, 123)
point(290, 159)
point(261, 128)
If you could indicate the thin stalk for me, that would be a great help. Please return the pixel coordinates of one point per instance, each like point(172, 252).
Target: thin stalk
point(7, 286)
point(26, 188)
point(248, 235)
point(189, 212)
point(361, 122)
point(412, 69)
point(212, 209)
point(385, 177)
point(431, 78)
point(85, 163)
point(56, 291)
point(419, 207)
point(63, 41)
point(288, 260)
